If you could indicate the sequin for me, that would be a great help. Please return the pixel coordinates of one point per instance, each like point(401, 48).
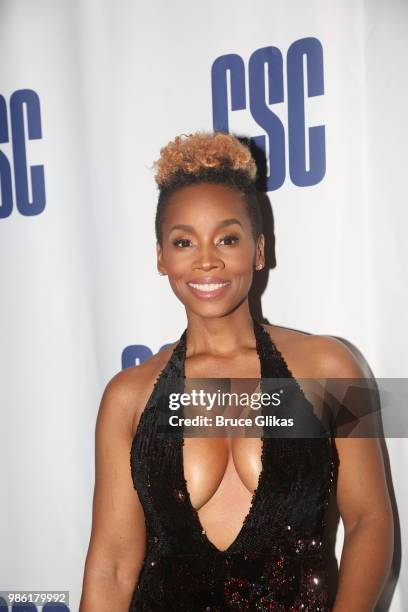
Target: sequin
point(275, 563)
point(179, 495)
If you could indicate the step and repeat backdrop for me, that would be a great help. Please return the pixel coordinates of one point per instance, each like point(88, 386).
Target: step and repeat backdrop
point(90, 90)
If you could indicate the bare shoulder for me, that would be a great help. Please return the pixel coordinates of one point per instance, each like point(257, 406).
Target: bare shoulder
point(129, 390)
point(315, 355)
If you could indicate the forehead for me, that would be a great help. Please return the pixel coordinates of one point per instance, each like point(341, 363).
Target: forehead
point(206, 198)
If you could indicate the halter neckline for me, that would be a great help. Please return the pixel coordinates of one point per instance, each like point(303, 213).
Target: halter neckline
point(268, 360)
point(272, 362)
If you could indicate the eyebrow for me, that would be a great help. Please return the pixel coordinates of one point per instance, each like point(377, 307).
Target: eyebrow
point(189, 228)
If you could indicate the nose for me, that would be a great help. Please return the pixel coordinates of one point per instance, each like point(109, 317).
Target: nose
point(208, 258)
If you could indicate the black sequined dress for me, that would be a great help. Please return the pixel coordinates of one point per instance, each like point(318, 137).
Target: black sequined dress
point(276, 561)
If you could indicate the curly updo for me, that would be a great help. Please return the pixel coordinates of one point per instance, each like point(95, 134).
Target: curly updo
point(207, 157)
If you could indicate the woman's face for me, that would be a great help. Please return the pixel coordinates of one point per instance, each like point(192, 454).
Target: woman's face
point(208, 250)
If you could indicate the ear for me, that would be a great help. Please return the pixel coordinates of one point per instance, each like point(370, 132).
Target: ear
point(159, 253)
point(260, 252)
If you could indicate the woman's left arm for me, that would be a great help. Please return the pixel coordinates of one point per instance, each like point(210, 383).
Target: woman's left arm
point(365, 509)
point(363, 503)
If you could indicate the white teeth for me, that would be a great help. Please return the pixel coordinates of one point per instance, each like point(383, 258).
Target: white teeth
point(211, 287)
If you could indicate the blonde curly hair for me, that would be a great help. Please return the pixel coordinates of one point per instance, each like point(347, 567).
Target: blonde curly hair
point(206, 157)
point(193, 153)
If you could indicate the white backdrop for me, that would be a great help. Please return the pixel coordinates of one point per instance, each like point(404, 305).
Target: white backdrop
point(110, 83)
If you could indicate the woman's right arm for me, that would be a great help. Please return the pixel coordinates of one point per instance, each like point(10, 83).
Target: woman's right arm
point(117, 543)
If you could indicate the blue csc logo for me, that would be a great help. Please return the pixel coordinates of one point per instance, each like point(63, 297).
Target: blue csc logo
point(25, 124)
point(306, 149)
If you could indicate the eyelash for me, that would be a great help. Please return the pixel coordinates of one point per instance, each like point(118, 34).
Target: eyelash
point(229, 236)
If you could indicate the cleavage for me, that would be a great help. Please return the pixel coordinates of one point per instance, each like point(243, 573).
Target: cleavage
point(222, 474)
point(221, 470)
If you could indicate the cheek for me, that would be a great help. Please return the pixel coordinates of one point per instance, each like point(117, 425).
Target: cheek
point(178, 265)
point(239, 261)
point(243, 262)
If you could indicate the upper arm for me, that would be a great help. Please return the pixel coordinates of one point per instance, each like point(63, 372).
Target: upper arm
point(362, 491)
point(117, 543)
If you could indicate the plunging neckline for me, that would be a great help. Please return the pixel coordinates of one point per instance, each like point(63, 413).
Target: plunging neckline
point(261, 335)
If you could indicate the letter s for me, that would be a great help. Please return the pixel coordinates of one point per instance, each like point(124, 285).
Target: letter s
point(272, 57)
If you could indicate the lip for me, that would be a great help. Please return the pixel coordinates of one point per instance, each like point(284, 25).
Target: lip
point(208, 280)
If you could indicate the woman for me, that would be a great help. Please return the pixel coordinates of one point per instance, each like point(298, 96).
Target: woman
point(226, 523)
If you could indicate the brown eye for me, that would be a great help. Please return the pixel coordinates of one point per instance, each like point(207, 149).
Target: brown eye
point(231, 239)
point(183, 242)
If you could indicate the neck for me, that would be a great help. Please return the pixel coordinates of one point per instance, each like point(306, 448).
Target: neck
point(223, 335)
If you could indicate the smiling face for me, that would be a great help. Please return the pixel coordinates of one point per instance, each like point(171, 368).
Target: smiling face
point(208, 250)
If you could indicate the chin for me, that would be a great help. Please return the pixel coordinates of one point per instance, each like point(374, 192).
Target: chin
point(210, 310)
